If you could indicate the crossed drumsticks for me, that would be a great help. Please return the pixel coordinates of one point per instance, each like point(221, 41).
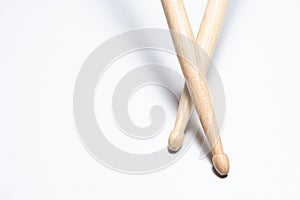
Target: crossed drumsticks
point(195, 92)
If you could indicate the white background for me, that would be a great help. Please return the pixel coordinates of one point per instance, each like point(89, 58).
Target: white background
point(42, 47)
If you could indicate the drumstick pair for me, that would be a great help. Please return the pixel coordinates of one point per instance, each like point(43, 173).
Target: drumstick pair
point(196, 91)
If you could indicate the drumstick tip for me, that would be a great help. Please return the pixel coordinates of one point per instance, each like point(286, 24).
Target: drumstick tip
point(221, 163)
point(175, 140)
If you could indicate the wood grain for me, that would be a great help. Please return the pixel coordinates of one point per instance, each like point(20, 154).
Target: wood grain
point(196, 91)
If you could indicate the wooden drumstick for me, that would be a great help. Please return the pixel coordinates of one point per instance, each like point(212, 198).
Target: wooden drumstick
point(207, 39)
point(196, 84)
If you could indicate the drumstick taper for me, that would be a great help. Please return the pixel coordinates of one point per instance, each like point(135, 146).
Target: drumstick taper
point(196, 84)
point(207, 39)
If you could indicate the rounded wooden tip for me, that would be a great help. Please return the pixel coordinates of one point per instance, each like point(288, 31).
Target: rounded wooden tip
point(221, 163)
point(175, 140)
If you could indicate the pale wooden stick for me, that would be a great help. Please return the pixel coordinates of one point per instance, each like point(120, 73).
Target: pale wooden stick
point(207, 39)
point(196, 84)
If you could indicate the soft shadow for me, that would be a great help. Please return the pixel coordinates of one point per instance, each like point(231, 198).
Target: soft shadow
point(217, 174)
point(228, 21)
point(200, 138)
point(123, 13)
point(173, 152)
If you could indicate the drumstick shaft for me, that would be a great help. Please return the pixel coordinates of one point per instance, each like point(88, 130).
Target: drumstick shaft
point(195, 82)
point(207, 39)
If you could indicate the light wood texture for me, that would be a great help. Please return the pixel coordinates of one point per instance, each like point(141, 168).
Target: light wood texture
point(196, 84)
point(207, 39)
